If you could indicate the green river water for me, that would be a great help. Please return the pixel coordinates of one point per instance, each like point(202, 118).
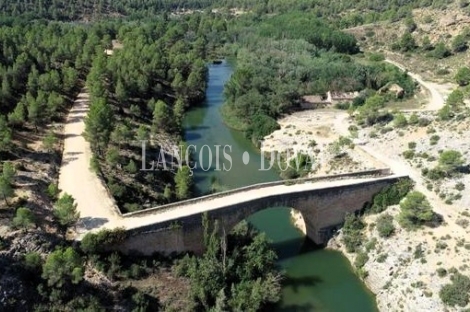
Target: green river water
point(316, 279)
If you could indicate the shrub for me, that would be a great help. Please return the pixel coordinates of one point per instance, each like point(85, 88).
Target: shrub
point(456, 293)
point(361, 260)
point(408, 154)
point(411, 145)
point(434, 139)
point(53, 191)
point(385, 225)
point(450, 161)
point(415, 210)
point(463, 76)
point(352, 233)
point(441, 272)
point(33, 261)
point(381, 258)
point(400, 121)
point(24, 218)
point(376, 57)
point(390, 195)
point(93, 243)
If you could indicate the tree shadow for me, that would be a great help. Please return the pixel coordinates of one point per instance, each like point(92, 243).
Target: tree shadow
point(300, 307)
point(90, 223)
point(298, 282)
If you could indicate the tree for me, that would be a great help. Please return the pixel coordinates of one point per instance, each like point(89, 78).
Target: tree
point(463, 76)
point(65, 211)
point(49, 141)
point(5, 134)
point(183, 181)
point(24, 218)
point(62, 266)
point(415, 210)
point(17, 117)
point(99, 124)
point(407, 42)
point(131, 167)
point(440, 51)
point(6, 179)
point(121, 92)
point(450, 161)
point(161, 117)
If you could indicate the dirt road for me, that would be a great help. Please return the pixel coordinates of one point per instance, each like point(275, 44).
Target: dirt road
point(95, 205)
point(438, 92)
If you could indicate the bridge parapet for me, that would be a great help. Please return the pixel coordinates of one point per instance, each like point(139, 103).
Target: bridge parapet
point(358, 174)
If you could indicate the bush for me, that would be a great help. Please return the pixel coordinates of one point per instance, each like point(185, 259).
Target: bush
point(463, 76)
point(399, 120)
point(460, 186)
point(33, 261)
point(381, 258)
point(450, 161)
point(390, 195)
point(411, 145)
point(93, 243)
point(415, 210)
point(456, 293)
point(53, 191)
point(361, 260)
point(385, 225)
point(441, 272)
point(376, 57)
point(24, 218)
point(408, 154)
point(434, 139)
point(352, 233)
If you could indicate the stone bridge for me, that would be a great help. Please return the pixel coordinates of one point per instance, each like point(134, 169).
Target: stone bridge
point(322, 201)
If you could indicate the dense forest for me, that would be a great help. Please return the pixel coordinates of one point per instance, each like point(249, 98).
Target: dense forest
point(277, 65)
point(140, 93)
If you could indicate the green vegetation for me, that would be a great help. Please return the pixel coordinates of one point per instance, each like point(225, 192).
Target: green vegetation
point(415, 210)
point(236, 272)
point(65, 211)
point(385, 225)
point(352, 233)
point(24, 218)
point(6, 180)
point(463, 76)
point(456, 293)
point(63, 266)
point(390, 195)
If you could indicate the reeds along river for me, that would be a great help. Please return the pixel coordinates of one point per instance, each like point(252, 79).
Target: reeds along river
point(316, 279)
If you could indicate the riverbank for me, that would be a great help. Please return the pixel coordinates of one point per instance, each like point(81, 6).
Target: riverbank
point(407, 270)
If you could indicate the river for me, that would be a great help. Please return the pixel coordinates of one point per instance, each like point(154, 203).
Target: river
point(316, 279)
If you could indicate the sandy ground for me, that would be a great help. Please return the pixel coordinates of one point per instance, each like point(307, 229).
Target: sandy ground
point(401, 282)
point(94, 203)
point(322, 126)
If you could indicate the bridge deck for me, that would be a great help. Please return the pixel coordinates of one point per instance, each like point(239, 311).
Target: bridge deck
point(216, 202)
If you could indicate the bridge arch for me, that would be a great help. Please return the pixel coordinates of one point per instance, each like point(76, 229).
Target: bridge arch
point(323, 207)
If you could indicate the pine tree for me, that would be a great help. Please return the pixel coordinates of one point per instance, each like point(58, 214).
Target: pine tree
point(99, 125)
point(161, 117)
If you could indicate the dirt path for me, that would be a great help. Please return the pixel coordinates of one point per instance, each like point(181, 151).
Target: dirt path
point(438, 93)
point(95, 205)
